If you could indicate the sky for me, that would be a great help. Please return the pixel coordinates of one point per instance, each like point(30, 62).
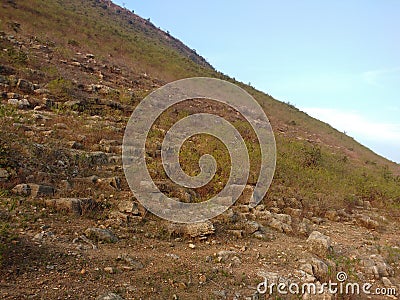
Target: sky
point(338, 60)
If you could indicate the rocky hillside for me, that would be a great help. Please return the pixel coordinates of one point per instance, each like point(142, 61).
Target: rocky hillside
point(71, 73)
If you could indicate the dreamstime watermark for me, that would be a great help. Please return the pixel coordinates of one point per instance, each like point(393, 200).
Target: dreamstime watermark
point(147, 112)
point(284, 287)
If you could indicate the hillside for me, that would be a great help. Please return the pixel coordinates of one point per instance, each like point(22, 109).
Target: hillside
point(71, 73)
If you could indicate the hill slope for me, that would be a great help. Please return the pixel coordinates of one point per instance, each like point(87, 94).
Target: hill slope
point(71, 72)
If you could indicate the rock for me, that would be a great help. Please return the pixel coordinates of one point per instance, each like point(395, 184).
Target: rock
point(129, 207)
point(367, 222)
point(133, 263)
point(293, 203)
point(332, 216)
point(39, 190)
point(109, 270)
point(75, 145)
point(60, 126)
point(100, 234)
point(220, 294)
point(305, 227)
point(320, 269)
point(367, 205)
point(4, 80)
point(4, 175)
point(251, 226)
point(247, 195)
point(386, 282)
point(236, 233)
point(25, 86)
point(269, 277)
point(319, 244)
point(293, 212)
point(97, 158)
point(376, 266)
point(22, 189)
point(199, 229)
point(34, 190)
point(307, 268)
point(316, 295)
point(72, 104)
point(110, 142)
point(114, 182)
point(192, 246)
point(6, 70)
point(224, 255)
point(73, 205)
point(109, 296)
point(264, 236)
point(21, 104)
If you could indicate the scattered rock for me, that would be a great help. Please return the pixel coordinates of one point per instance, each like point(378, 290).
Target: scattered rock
point(73, 205)
point(99, 234)
point(332, 216)
point(39, 190)
point(386, 282)
point(22, 189)
point(319, 244)
point(25, 86)
point(319, 269)
point(133, 263)
point(33, 190)
point(224, 255)
point(75, 145)
point(4, 175)
point(367, 222)
point(20, 103)
point(199, 229)
point(376, 266)
point(109, 296)
point(109, 270)
point(129, 206)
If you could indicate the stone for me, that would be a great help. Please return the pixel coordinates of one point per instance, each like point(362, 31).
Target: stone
point(129, 206)
point(247, 195)
point(307, 268)
point(367, 222)
point(386, 282)
point(199, 229)
point(132, 262)
point(99, 234)
point(109, 270)
point(293, 203)
point(114, 182)
point(20, 103)
point(39, 190)
point(376, 266)
point(97, 158)
point(319, 243)
point(75, 145)
point(293, 212)
point(251, 226)
point(25, 86)
point(4, 174)
point(332, 216)
point(224, 255)
point(305, 227)
point(320, 269)
point(22, 189)
point(73, 205)
point(109, 296)
point(34, 190)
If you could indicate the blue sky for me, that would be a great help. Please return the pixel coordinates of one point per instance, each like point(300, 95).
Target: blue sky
point(339, 61)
